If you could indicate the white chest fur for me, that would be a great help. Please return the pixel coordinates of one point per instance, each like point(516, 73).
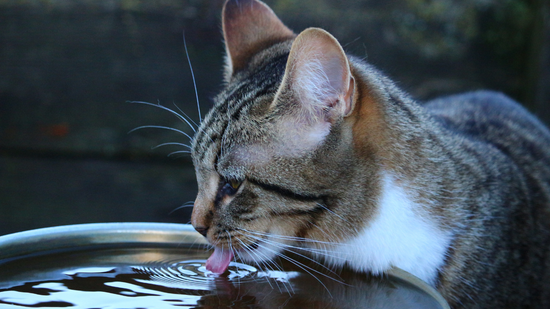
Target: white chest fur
point(399, 236)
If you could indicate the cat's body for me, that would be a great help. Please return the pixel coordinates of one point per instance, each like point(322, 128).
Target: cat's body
point(309, 147)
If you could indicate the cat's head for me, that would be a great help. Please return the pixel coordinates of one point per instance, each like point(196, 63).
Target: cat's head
point(274, 157)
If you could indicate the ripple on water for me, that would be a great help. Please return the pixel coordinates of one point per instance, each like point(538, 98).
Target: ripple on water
point(192, 274)
point(151, 285)
point(164, 278)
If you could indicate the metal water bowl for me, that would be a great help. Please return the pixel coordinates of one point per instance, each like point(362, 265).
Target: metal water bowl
point(157, 265)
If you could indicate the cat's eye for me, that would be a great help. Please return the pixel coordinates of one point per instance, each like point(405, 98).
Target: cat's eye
point(231, 187)
point(235, 184)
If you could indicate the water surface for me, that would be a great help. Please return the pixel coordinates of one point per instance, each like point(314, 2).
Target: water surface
point(171, 277)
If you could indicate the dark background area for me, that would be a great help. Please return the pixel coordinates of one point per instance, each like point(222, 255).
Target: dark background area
point(69, 68)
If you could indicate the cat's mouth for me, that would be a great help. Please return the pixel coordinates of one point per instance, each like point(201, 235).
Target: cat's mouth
point(222, 256)
point(219, 261)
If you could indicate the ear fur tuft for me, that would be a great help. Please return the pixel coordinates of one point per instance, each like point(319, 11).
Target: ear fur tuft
point(319, 83)
point(318, 72)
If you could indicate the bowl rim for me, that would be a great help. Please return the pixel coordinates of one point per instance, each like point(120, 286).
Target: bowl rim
point(76, 237)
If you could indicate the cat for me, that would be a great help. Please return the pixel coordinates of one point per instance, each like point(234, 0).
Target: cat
point(308, 147)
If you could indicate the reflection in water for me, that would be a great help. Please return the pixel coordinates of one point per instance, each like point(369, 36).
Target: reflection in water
point(86, 289)
point(97, 281)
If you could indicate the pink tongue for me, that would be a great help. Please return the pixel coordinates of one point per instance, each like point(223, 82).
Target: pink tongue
point(219, 260)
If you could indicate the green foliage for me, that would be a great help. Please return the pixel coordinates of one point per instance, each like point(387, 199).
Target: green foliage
point(507, 27)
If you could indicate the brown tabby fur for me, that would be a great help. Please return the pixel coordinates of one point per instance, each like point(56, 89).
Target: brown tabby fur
point(477, 164)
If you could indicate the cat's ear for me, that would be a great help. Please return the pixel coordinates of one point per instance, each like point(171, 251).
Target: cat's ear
point(318, 73)
point(319, 84)
point(248, 27)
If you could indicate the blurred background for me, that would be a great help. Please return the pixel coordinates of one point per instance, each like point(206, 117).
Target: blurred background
point(69, 67)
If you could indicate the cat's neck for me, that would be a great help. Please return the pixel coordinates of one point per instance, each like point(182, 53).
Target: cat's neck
point(400, 234)
point(397, 135)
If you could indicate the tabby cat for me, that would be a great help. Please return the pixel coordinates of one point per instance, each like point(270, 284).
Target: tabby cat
point(309, 147)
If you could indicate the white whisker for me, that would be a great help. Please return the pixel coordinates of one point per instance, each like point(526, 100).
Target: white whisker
point(259, 261)
point(186, 205)
point(285, 247)
point(323, 252)
point(172, 143)
point(184, 114)
point(193, 76)
point(180, 151)
point(332, 212)
point(292, 238)
point(161, 127)
point(266, 262)
point(259, 241)
point(302, 266)
point(180, 116)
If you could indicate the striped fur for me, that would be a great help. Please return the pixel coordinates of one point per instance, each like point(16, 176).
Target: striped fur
point(455, 191)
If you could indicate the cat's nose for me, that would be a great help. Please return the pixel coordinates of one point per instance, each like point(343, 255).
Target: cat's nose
point(201, 218)
point(202, 230)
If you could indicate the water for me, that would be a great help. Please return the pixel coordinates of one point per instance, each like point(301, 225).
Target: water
point(169, 277)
